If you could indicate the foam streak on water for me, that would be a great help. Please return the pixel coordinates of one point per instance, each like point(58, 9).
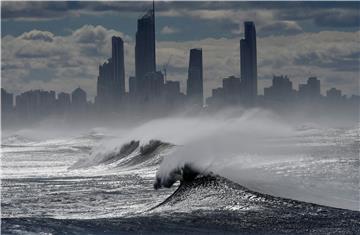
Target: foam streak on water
point(87, 176)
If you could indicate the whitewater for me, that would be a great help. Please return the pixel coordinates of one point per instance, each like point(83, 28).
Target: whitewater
point(249, 167)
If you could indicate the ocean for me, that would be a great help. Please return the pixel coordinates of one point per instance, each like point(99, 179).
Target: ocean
point(254, 175)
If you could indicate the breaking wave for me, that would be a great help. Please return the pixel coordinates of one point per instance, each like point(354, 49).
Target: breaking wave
point(128, 155)
point(15, 140)
point(199, 192)
point(255, 149)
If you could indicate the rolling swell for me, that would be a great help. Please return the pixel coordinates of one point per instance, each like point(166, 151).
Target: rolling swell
point(218, 201)
point(207, 204)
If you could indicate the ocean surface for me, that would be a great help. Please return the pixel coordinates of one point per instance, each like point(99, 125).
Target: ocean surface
point(101, 181)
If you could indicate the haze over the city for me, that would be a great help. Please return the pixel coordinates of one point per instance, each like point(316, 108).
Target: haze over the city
point(59, 45)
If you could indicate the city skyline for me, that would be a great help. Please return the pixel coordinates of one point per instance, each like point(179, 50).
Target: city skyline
point(17, 79)
point(150, 91)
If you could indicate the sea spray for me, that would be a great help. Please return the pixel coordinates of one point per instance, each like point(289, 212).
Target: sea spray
point(255, 148)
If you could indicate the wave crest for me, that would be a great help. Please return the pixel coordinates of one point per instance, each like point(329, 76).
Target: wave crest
point(185, 173)
point(129, 154)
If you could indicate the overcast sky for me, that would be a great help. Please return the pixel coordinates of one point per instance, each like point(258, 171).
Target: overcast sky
point(59, 45)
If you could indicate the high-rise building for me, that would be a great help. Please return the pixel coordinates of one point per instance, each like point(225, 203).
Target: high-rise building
point(172, 88)
point(35, 103)
point(231, 86)
point(333, 94)
point(281, 89)
point(195, 77)
point(105, 84)
point(310, 90)
point(63, 102)
point(78, 98)
point(153, 86)
point(6, 101)
point(111, 79)
point(118, 66)
point(228, 94)
point(132, 85)
point(248, 62)
point(145, 57)
point(216, 99)
point(172, 92)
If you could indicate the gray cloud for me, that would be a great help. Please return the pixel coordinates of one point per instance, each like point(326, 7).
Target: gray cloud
point(38, 35)
point(329, 14)
point(37, 49)
point(335, 62)
point(280, 27)
point(169, 30)
point(74, 59)
point(339, 18)
point(35, 10)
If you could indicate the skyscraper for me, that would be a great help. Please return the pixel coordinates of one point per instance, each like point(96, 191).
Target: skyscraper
point(231, 86)
point(64, 99)
point(105, 84)
point(145, 58)
point(310, 90)
point(118, 66)
point(195, 77)
point(111, 79)
point(6, 101)
point(281, 89)
point(248, 62)
point(78, 98)
point(333, 94)
point(35, 103)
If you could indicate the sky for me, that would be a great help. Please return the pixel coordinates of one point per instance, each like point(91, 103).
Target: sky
point(60, 45)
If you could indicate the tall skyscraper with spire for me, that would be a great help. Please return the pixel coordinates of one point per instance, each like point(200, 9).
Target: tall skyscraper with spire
point(248, 63)
point(145, 57)
point(195, 77)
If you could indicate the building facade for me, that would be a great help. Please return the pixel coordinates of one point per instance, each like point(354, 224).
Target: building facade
point(248, 63)
point(7, 101)
point(195, 77)
point(145, 57)
point(118, 67)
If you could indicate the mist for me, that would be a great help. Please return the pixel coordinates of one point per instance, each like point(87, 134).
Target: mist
point(255, 148)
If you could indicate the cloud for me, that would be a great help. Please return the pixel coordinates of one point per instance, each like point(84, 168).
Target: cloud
point(66, 61)
point(280, 27)
point(73, 60)
point(24, 10)
point(321, 14)
point(34, 44)
point(276, 55)
point(38, 35)
point(345, 16)
point(339, 18)
point(334, 61)
point(169, 30)
point(90, 34)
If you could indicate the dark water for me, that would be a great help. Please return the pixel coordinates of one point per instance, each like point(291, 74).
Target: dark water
point(80, 185)
point(237, 210)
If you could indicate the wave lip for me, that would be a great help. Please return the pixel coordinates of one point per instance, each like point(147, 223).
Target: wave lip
point(129, 154)
point(149, 153)
point(125, 150)
point(208, 191)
